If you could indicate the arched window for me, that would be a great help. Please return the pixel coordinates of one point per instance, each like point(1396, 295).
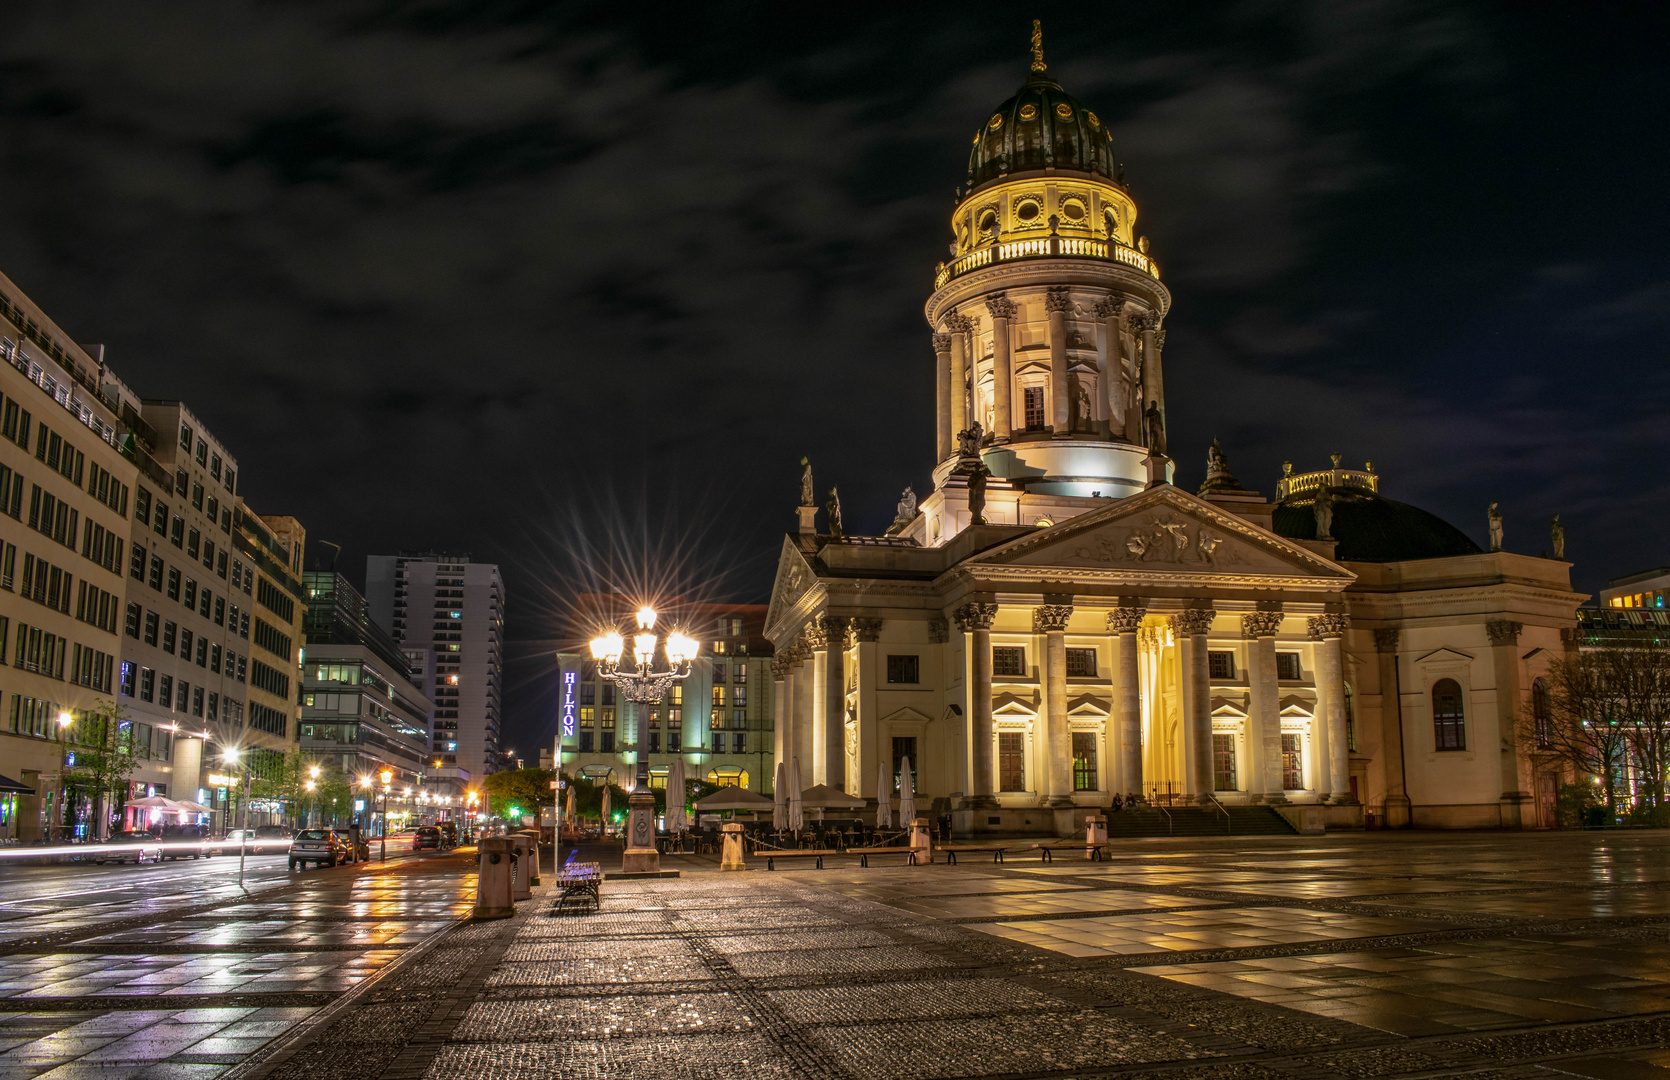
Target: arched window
point(1542, 714)
point(728, 776)
point(1449, 723)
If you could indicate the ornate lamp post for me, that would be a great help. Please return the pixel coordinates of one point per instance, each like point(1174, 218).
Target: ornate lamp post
point(644, 686)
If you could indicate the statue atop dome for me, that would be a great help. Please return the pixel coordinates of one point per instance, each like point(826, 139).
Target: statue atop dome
point(1038, 46)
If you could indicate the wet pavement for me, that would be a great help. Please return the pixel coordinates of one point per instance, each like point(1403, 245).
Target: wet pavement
point(1363, 955)
point(178, 971)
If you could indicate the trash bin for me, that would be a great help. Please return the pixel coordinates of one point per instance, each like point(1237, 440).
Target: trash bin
point(533, 863)
point(733, 858)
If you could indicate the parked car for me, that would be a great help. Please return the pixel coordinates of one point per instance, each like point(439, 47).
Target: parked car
point(252, 842)
point(186, 842)
point(129, 845)
point(321, 847)
point(426, 838)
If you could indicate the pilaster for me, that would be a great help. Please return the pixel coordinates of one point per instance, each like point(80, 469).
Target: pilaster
point(975, 620)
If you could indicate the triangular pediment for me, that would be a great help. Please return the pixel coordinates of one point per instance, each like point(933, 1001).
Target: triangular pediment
point(1013, 706)
point(1089, 705)
point(1228, 707)
point(1444, 655)
point(906, 715)
point(1164, 533)
point(794, 576)
point(1296, 707)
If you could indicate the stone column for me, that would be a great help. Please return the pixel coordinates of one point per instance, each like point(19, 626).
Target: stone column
point(1147, 325)
point(1191, 629)
point(814, 770)
point(975, 620)
point(959, 325)
point(1051, 621)
point(782, 695)
point(1125, 775)
point(1058, 303)
point(943, 432)
point(829, 750)
point(1109, 309)
point(1264, 719)
point(1398, 809)
point(805, 679)
point(867, 632)
point(1504, 650)
point(1328, 631)
point(1003, 413)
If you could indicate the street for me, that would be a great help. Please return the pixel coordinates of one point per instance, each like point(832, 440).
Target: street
point(142, 970)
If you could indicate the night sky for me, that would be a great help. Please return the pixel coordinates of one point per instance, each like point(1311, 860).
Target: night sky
point(569, 284)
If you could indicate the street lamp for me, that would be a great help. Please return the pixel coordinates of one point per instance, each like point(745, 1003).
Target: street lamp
point(644, 686)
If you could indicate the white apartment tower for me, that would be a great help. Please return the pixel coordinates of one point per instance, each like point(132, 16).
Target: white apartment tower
point(454, 608)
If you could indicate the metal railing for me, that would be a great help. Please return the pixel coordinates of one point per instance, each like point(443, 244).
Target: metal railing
point(1228, 821)
point(1171, 826)
point(1042, 248)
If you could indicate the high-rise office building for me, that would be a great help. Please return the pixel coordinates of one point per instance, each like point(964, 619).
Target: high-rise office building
point(454, 608)
point(361, 711)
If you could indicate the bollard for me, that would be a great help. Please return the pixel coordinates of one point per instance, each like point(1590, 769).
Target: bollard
point(732, 859)
point(921, 842)
point(522, 849)
point(492, 888)
point(1095, 832)
point(533, 864)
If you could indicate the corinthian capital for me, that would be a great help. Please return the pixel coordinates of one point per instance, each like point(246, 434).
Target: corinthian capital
point(1503, 632)
point(1192, 622)
point(1051, 618)
point(1059, 298)
point(1159, 339)
point(867, 629)
point(1144, 322)
point(942, 343)
point(834, 629)
point(1328, 626)
point(1260, 624)
point(1110, 307)
point(1000, 306)
point(813, 638)
point(958, 324)
point(975, 616)
point(1126, 620)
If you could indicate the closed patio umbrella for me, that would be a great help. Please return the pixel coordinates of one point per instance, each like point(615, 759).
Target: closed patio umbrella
point(675, 798)
point(907, 794)
point(797, 813)
point(568, 813)
point(780, 798)
point(605, 810)
point(884, 797)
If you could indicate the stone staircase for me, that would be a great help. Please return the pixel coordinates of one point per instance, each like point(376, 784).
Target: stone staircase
point(1199, 821)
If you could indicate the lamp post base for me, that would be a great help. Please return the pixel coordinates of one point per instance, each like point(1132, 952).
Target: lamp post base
point(640, 856)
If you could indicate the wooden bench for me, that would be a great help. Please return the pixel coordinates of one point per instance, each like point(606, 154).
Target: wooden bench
point(771, 857)
point(1047, 851)
point(951, 853)
point(580, 881)
point(865, 853)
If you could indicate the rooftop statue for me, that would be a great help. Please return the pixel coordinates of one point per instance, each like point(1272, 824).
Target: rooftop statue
point(1557, 533)
point(834, 509)
point(808, 496)
point(1494, 514)
point(977, 495)
point(907, 507)
point(1324, 509)
point(969, 439)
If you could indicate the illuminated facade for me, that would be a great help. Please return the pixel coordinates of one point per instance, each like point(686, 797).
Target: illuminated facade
point(1057, 623)
point(719, 720)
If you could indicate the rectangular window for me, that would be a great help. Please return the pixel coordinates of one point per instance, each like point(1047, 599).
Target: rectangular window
point(147, 684)
point(214, 659)
point(169, 631)
point(159, 519)
point(177, 532)
point(904, 669)
point(739, 743)
point(608, 694)
point(1081, 663)
point(1009, 660)
point(905, 746)
point(155, 580)
point(165, 691)
point(1287, 666)
point(126, 684)
point(655, 742)
point(1292, 768)
point(1223, 763)
point(740, 675)
point(136, 565)
point(134, 615)
point(194, 541)
point(718, 695)
point(151, 621)
point(189, 599)
point(1034, 396)
point(1011, 761)
point(675, 741)
point(739, 696)
point(173, 584)
point(607, 742)
point(1220, 665)
point(585, 736)
point(1084, 757)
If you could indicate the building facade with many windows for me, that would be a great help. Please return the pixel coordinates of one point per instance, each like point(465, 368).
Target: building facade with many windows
point(452, 608)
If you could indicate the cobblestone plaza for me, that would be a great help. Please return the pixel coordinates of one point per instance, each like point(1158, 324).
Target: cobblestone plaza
point(1360, 955)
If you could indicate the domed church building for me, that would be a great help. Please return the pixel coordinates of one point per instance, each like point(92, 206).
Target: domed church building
point(1057, 624)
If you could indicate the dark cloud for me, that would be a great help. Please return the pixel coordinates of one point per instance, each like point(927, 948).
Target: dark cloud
point(444, 272)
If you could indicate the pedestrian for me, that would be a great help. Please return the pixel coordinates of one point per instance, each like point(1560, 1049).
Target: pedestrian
point(1118, 802)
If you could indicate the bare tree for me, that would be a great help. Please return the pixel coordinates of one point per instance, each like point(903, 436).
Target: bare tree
point(1606, 713)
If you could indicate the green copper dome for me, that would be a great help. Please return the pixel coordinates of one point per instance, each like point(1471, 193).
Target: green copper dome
point(1041, 127)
